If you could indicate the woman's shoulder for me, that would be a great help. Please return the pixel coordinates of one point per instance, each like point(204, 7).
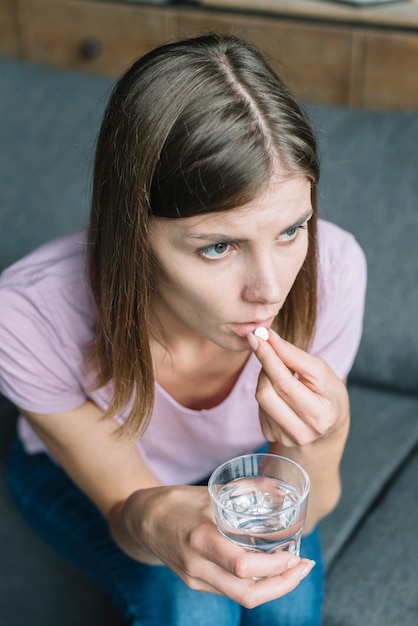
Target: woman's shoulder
point(46, 321)
point(341, 295)
point(51, 277)
point(339, 251)
point(58, 259)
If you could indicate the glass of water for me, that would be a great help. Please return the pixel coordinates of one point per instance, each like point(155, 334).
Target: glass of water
point(260, 501)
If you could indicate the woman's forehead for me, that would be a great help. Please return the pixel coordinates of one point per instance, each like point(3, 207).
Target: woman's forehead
point(281, 204)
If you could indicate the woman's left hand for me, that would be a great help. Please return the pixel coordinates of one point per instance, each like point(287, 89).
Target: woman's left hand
point(301, 399)
point(304, 412)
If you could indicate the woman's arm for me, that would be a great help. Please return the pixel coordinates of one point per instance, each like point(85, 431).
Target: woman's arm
point(304, 413)
point(156, 523)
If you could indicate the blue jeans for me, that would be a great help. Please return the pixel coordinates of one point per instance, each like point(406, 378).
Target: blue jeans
point(146, 595)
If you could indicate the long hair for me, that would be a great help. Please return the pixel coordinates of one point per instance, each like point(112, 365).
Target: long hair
point(194, 126)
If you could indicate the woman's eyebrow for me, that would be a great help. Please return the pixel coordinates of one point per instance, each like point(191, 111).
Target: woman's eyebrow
point(227, 238)
point(214, 237)
point(300, 221)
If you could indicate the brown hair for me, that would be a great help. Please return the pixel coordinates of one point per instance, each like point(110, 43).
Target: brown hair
point(194, 126)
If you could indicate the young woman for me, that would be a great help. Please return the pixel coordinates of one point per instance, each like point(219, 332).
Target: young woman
point(131, 354)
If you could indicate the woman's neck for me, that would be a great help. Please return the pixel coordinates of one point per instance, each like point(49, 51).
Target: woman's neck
point(197, 374)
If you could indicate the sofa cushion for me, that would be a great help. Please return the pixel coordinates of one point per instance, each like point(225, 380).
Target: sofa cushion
point(49, 121)
point(369, 186)
point(374, 583)
point(384, 431)
point(41, 588)
point(8, 415)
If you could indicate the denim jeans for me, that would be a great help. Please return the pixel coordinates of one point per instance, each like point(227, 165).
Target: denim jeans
point(146, 595)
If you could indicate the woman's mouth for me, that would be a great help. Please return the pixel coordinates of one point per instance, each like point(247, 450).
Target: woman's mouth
point(242, 329)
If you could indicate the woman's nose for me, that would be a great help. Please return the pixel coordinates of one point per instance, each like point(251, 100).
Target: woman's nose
point(261, 283)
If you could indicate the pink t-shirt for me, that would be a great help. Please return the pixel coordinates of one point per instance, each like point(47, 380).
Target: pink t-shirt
point(46, 321)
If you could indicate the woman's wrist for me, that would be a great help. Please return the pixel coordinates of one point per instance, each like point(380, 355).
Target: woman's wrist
point(126, 523)
point(143, 525)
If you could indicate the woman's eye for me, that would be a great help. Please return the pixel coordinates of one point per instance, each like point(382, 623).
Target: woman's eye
point(216, 251)
point(292, 233)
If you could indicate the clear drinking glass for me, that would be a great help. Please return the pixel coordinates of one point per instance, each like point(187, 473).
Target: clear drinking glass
point(260, 501)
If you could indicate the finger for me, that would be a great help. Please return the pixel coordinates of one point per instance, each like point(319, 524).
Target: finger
point(256, 590)
point(296, 360)
point(289, 387)
point(310, 369)
point(317, 394)
point(279, 422)
point(306, 411)
point(234, 559)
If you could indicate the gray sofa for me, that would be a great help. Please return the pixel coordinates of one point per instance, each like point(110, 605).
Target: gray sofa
point(48, 123)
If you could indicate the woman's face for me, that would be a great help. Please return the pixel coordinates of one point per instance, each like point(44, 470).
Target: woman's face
point(220, 275)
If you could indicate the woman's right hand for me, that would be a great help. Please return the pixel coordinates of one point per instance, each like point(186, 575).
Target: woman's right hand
point(150, 521)
point(176, 525)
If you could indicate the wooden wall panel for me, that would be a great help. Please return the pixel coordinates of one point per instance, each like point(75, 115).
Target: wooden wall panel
point(314, 60)
point(10, 38)
point(100, 38)
point(391, 71)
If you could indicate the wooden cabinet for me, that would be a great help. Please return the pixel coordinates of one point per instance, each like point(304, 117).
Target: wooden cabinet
point(330, 61)
point(328, 52)
point(390, 71)
point(339, 54)
point(314, 60)
point(96, 37)
point(10, 40)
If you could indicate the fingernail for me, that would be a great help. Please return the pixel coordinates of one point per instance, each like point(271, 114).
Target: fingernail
point(252, 340)
point(307, 569)
point(262, 332)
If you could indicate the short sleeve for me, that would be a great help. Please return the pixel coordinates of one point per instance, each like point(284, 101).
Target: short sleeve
point(342, 291)
point(45, 325)
point(37, 373)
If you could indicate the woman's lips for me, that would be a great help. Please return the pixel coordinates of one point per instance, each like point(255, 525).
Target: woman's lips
point(242, 330)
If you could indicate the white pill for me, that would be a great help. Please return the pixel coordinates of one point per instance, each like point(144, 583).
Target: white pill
point(262, 332)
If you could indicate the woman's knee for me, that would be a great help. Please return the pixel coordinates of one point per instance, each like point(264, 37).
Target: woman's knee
point(159, 596)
